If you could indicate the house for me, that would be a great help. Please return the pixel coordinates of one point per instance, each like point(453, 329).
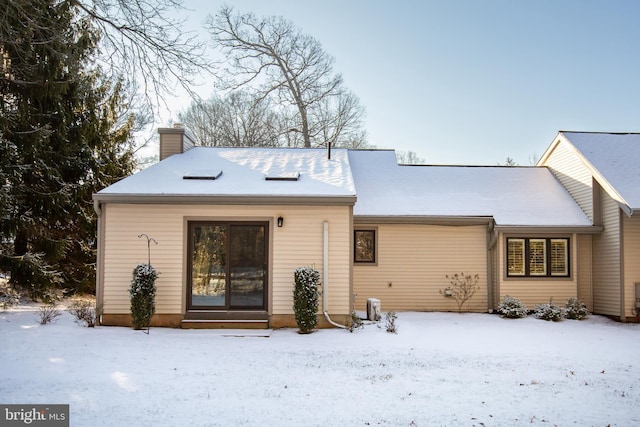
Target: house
point(600, 171)
point(232, 224)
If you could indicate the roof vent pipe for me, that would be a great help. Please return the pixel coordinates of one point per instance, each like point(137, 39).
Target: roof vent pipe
point(325, 274)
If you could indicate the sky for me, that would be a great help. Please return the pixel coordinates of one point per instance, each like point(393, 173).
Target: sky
point(470, 82)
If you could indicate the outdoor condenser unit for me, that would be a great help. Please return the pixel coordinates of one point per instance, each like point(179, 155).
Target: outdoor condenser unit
point(373, 309)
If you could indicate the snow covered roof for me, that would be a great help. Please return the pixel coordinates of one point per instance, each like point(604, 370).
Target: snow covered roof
point(252, 173)
point(371, 179)
point(513, 196)
point(615, 157)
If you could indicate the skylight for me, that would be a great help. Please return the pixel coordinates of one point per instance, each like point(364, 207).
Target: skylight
point(203, 174)
point(282, 176)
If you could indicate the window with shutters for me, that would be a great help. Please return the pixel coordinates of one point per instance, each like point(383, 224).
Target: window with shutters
point(538, 257)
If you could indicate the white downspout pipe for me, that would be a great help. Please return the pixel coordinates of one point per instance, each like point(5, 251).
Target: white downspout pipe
point(325, 274)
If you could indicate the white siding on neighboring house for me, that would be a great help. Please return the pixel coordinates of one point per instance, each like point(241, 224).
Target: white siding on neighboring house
point(533, 291)
point(606, 260)
point(412, 262)
point(631, 245)
point(573, 175)
point(298, 243)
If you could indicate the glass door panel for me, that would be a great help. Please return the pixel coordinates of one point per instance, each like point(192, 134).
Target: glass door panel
point(208, 266)
point(247, 266)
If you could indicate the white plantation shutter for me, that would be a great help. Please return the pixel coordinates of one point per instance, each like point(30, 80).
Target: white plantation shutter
point(515, 257)
point(559, 257)
point(537, 257)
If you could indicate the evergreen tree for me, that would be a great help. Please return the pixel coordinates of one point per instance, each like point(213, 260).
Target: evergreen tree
point(64, 134)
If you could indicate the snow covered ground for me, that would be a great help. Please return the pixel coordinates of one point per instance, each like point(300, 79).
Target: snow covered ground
point(441, 369)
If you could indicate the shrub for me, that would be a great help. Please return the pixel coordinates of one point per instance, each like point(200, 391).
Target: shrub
point(390, 322)
point(463, 287)
point(8, 296)
point(143, 293)
point(85, 312)
point(512, 308)
point(575, 309)
point(305, 298)
point(355, 322)
point(48, 313)
point(548, 311)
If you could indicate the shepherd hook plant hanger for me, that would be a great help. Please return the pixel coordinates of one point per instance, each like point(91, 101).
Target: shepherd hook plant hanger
point(149, 240)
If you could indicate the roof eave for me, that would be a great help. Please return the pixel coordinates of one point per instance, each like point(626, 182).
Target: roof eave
point(578, 229)
point(197, 199)
point(422, 219)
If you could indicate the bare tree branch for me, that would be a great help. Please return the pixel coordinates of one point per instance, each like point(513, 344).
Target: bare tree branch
point(271, 58)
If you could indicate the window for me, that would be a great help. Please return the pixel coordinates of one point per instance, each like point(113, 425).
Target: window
point(364, 246)
point(537, 257)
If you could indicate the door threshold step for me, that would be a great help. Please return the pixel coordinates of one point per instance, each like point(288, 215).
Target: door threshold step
point(224, 324)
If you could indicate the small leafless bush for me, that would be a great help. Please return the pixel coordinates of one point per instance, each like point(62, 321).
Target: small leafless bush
point(48, 313)
point(354, 323)
point(390, 322)
point(463, 287)
point(85, 312)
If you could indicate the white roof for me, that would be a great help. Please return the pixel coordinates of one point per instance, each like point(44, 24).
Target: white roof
point(244, 172)
point(616, 157)
point(513, 196)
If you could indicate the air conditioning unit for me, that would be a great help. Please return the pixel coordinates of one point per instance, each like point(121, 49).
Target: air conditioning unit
point(373, 309)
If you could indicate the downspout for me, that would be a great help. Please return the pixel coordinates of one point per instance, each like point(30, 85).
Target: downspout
point(325, 274)
point(491, 243)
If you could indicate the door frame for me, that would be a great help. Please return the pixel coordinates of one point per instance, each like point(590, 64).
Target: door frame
point(188, 241)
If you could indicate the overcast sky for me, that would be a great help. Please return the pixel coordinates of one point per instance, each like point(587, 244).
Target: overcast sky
point(473, 82)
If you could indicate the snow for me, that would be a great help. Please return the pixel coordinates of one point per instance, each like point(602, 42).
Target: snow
point(444, 369)
point(616, 157)
point(513, 196)
point(243, 174)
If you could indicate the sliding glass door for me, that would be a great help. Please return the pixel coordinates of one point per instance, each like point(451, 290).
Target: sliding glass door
point(227, 265)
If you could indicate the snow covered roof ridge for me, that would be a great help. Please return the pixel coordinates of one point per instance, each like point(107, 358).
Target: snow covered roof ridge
point(614, 159)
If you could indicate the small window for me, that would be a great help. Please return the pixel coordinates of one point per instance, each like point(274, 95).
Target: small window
point(537, 257)
point(364, 246)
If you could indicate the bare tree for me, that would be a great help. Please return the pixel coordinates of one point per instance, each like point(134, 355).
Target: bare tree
point(144, 42)
point(236, 120)
point(275, 60)
point(509, 162)
point(408, 158)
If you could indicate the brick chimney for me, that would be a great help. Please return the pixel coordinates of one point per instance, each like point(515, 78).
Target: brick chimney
point(174, 140)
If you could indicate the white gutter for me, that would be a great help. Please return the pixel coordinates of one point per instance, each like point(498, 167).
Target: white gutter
point(325, 274)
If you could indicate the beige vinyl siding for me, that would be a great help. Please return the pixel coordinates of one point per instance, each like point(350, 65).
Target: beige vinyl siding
point(567, 167)
point(412, 262)
point(534, 291)
point(585, 273)
point(606, 260)
point(171, 144)
point(298, 243)
point(631, 251)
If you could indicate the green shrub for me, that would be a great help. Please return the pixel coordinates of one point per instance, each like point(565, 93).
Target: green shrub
point(143, 293)
point(305, 298)
point(548, 311)
point(512, 308)
point(575, 309)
